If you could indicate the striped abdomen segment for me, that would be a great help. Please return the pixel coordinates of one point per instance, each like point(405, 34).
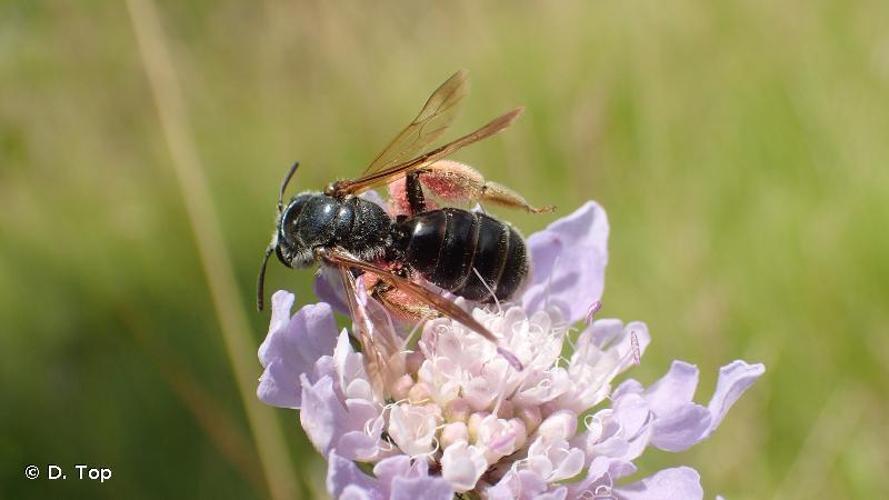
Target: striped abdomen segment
point(452, 248)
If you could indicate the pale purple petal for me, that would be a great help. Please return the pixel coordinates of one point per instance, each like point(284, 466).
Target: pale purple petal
point(323, 416)
point(291, 349)
point(632, 412)
point(674, 389)
point(427, 488)
point(530, 484)
point(637, 444)
point(282, 303)
point(600, 478)
point(325, 366)
point(397, 478)
point(605, 332)
point(556, 494)
point(328, 287)
point(568, 263)
point(680, 483)
point(400, 477)
point(621, 468)
point(622, 433)
point(611, 444)
point(462, 465)
point(307, 334)
point(628, 386)
point(400, 466)
point(343, 475)
point(363, 442)
point(636, 421)
point(680, 423)
point(734, 379)
point(331, 423)
point(682, 428)
point(628, 341)
point(277, 386)
point(570, 466)
point(353, 492)
point(359, 446)
point(517, 484)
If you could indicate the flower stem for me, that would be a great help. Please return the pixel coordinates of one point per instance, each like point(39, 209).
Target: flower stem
point(216, 264)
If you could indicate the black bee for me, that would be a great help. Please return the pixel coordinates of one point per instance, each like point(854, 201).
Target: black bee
point(470, 254)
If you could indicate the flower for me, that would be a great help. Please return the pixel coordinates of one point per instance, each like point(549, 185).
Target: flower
point(463, 419)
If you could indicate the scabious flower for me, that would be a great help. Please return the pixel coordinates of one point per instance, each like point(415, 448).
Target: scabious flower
point(461, 419)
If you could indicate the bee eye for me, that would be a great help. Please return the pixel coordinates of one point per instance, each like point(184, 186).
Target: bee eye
point(289, 219)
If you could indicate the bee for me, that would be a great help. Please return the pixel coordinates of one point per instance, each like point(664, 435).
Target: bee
point(469, 254)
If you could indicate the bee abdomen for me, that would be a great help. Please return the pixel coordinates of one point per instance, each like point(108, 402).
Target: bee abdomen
point(457, 249)
point(453, 248)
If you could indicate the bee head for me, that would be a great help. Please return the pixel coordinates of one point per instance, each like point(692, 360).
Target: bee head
point(291, 250)
point(282, 244)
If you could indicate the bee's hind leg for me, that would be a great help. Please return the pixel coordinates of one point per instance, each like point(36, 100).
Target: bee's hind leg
point(406, 196)
point(414, 192)
point(456, 182)
point(401, 305)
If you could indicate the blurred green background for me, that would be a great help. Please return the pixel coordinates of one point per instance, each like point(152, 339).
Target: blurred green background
point(739, 147)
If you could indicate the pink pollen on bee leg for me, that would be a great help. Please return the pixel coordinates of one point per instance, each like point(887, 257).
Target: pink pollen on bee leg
point(398, 204)
point(451, 191)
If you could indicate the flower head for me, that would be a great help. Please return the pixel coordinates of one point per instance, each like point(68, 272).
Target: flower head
point(462, 418)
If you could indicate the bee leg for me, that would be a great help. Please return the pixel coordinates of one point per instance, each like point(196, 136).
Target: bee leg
point(414, 190)
point(458, 183)
point(399, 304)
point(406, 197)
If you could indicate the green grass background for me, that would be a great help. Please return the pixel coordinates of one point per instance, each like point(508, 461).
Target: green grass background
point(740, 149)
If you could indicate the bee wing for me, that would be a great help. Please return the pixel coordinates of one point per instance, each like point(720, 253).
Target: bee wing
point(353, 186)
point(423, 294)
point(436, 116)
point(381, 347)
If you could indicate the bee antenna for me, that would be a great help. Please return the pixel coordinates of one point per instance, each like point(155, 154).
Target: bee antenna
point(260, 280)
point(284, 185)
